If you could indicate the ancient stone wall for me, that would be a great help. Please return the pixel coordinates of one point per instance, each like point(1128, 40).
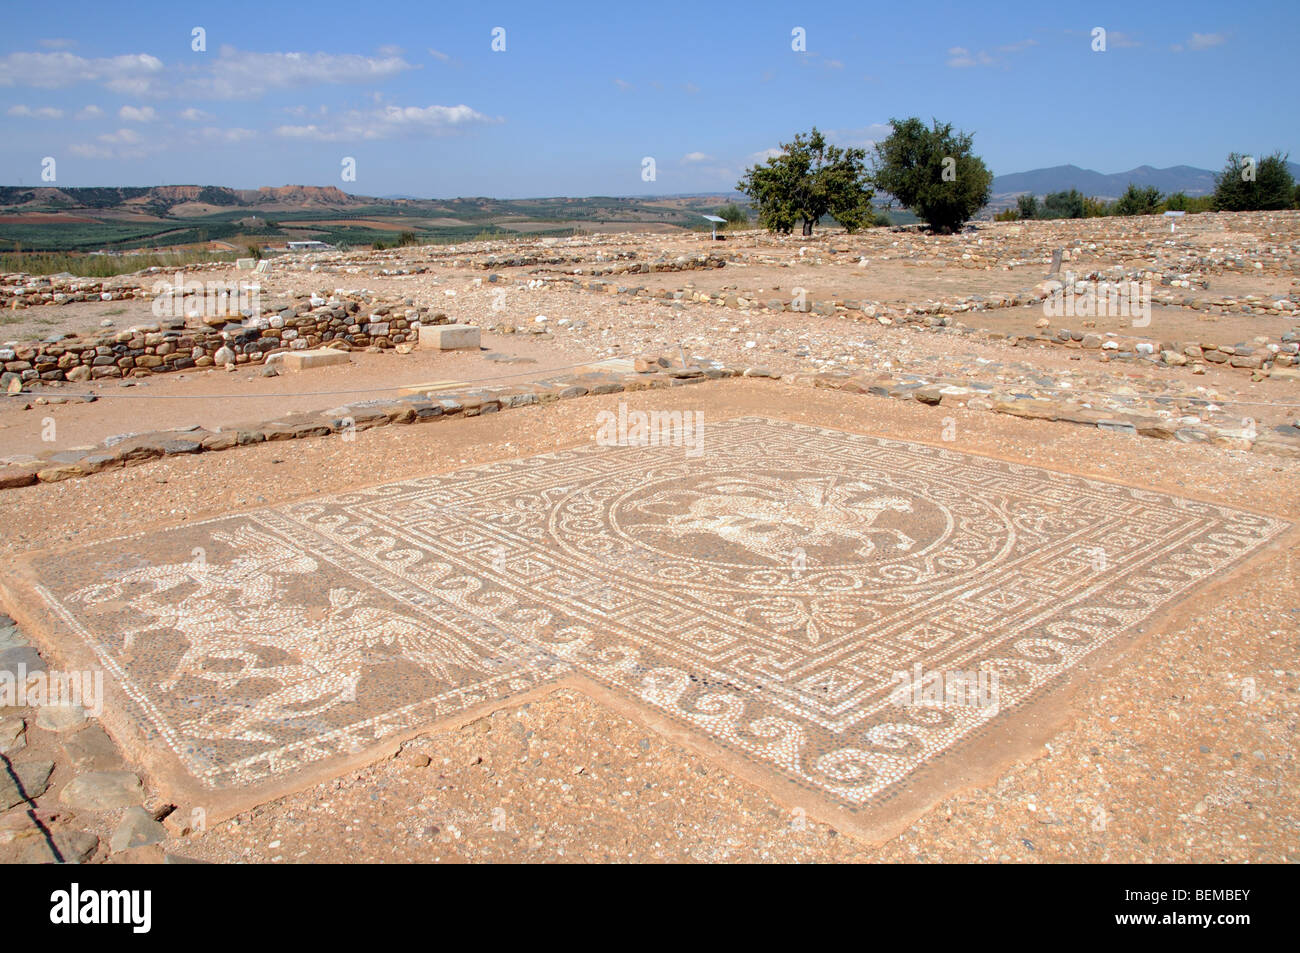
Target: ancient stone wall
point(172, 344)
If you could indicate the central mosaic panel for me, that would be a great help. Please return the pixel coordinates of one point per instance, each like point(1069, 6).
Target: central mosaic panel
point(792, 593)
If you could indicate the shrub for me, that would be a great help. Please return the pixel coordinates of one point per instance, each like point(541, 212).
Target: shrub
point(1094, 207)
point(1138, 200)
point(735, 215)
point(1182, 202)
point(1246, 186)
point(1063, 204)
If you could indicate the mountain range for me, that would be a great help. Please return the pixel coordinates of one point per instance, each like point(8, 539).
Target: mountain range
point(1061, 178)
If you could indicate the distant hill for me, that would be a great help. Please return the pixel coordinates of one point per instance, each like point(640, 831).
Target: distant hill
point(46, 218)
point(1061, 178)
point(163, 197)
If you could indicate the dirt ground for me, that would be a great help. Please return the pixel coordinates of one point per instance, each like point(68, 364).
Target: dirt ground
point(216, 398)
point(582, 328)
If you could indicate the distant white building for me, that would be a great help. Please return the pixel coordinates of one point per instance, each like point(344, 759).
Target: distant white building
point(309, 246)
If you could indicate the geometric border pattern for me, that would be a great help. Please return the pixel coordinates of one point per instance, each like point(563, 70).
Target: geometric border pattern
point(768, 589)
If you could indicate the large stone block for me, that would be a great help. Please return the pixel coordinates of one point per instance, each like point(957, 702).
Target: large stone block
point(416, 389)
point(449, 337)
point(320, 357)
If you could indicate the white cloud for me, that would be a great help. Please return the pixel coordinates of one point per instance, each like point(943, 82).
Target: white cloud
point(1017, 46)
point(696, 157)
point(959, 58)
point(622, 84)
point(85, 150)
point(195, 115)
point(125, 137)
point(128, 143)
point(391, 122)
point(1203, 41)
point(130, 74)
point(89, 112)
point(303, 132)
point(218, 134)
point(137, 114)
point(1200, 41)
point(57, 43)
point(813, 58)
point(762, 156)
point(231, 74)
point(439, 55)
point(863, 137)
point(238, 74)
point(41, 112)
point(122, 144)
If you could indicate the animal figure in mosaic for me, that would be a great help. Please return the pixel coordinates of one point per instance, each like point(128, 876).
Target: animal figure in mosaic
point(773, 518)
point(331, 651)
point(246, 572)
point(238, 624)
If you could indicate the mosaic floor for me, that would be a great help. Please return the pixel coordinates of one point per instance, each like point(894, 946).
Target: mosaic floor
point(791, 593)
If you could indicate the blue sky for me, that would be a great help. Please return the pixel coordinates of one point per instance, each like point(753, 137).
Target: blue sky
point(582, 93)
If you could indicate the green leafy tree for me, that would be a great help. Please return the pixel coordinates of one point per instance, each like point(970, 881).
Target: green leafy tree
point(1182, 202)
point(933, 171)
point(1246, 186)
point(809, 179)
point(1063, 204)
point(1138, 200)
point(1094, 207)
point(1027, 206)
point(734, 214)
